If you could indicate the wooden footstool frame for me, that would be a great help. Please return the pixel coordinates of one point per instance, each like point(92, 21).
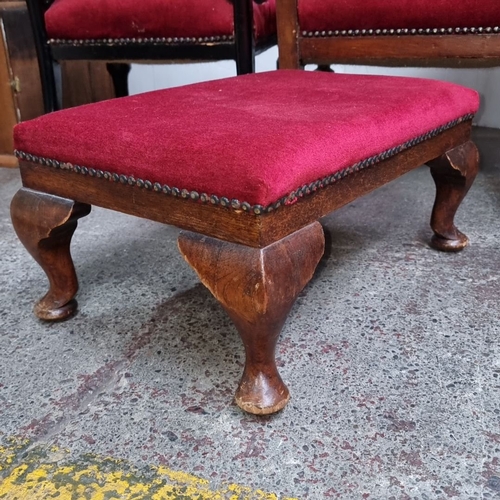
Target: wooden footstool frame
point(255, 260)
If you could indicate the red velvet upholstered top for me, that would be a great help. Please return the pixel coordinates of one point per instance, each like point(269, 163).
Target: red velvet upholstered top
point(253, 138)
point(319, 15)
point(99, 19)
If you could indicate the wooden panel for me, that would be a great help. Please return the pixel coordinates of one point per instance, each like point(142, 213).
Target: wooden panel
point(20, 89)
point(85, 82)
point(23, 61)
point(8, 116)
point(9, 161)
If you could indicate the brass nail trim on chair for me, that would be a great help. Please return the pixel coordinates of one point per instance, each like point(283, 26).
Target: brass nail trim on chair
point(141, 41)
point(401, 31)
point(235, 204)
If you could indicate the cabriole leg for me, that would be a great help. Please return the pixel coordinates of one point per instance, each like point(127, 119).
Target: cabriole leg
point(45, 225)
point(257, 288)
point(453, 174)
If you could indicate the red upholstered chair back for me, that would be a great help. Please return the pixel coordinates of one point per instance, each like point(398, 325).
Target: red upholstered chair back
point(158, 30)
point(443, 33)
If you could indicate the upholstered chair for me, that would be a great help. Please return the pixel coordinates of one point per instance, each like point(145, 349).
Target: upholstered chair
point(444, 33)
point(120, 31)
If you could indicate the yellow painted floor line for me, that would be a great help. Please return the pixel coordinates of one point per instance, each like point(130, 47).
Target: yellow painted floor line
point(39, 473)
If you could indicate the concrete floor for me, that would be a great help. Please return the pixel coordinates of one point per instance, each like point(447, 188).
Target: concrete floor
point(391, 354)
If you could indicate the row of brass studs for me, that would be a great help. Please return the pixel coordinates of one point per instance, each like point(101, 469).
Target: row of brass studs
point(236, 204)
point(142, 41)
point(366, 163)
point(402, 31)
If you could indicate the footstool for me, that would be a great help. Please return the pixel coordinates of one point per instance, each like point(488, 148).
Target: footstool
point(246, 167)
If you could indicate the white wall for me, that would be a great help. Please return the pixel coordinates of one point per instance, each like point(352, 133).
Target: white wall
point(485, 81)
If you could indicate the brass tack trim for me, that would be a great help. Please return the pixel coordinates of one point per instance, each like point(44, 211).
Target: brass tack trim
point(234, 204)
point(400, 31)
point(140, 41)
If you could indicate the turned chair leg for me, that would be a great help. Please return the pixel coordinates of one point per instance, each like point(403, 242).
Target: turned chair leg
point(257, 288)
point(45, 225)
point(453, 174)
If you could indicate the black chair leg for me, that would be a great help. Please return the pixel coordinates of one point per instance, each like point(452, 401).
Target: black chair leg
point(243, 37)
point(119, 74)
point(58, 85)
point(245, 65)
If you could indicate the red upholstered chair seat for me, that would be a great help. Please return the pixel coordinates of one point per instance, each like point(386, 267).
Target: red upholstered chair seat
point(232, 143)
point(100, 19)
point(326, 15)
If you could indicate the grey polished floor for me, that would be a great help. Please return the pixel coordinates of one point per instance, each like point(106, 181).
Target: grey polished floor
point(391, 354)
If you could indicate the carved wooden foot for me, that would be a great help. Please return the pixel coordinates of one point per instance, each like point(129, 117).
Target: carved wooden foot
point(45, 225)
point(257, 288)
point(453, 174)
